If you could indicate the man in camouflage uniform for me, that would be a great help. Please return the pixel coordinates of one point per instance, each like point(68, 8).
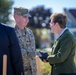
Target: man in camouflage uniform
point(26, 40)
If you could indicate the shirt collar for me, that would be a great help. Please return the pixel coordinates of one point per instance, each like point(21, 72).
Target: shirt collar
point(62, 32)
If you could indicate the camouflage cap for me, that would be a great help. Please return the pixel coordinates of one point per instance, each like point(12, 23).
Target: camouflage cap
point(21, 11)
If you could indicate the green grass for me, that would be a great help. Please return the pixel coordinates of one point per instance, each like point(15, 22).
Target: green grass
point(45, 67)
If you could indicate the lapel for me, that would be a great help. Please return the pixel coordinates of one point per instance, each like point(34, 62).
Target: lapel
point(56, 43)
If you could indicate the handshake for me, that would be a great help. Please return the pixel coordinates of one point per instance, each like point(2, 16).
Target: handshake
point(43, 55)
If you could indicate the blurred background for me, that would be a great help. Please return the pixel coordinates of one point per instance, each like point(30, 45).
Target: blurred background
point(40, 11)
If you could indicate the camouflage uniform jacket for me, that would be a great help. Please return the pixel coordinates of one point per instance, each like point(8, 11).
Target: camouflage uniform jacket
point(27, 44)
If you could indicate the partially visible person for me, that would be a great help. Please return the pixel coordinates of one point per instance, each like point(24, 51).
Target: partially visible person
point(9, 45)
point(26, 40)
point(63, 50)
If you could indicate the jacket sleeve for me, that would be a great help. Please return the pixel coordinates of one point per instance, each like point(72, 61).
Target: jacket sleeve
point(62, 53)
point(15, 52)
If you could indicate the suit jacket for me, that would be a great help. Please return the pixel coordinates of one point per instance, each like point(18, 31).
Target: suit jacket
point(63, 51)
point(9, 46)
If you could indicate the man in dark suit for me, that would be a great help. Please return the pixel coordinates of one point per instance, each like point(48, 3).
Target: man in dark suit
point(9, 46)
point(63, 50)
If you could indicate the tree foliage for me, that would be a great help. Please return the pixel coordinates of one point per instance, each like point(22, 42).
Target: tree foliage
point(5, 9)
point(40, 17)
point(39, 20)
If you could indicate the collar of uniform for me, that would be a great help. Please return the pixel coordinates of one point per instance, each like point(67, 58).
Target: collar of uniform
point(22, 31)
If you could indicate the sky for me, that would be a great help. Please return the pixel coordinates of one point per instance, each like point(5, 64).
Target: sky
point(55, 5)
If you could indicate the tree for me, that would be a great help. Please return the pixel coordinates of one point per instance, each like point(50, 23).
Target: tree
point(39, 20)
point(5, 9)
point(40, 17)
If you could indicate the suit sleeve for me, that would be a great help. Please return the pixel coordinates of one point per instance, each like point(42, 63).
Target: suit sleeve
point(63, 52)
point(15, 53)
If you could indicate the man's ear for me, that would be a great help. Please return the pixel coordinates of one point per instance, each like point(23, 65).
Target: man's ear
point(16, 16)
point(57, 24)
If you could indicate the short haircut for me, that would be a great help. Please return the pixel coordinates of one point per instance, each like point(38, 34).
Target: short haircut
point(61, 18)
